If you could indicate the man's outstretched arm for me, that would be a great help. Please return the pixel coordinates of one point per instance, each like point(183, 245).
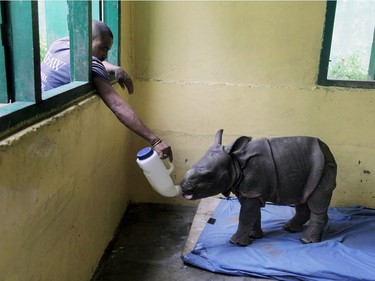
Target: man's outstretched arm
point(129, 118)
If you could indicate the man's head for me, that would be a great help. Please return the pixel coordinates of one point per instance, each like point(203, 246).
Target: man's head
point(102, 39)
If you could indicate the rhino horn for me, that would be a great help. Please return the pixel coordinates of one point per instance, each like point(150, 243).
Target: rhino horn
point(218, 137)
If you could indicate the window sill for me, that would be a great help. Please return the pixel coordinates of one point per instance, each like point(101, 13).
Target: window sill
point(366, 84)
point(19, 115)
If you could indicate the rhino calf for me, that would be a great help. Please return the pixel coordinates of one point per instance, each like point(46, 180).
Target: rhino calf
point(289, 170)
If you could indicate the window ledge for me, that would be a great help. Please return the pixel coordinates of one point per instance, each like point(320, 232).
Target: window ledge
point(364, 84)
point(19, 115)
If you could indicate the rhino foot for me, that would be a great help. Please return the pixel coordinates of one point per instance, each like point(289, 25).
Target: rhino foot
point(311, 235)
point(241, 239)
point(308, 240)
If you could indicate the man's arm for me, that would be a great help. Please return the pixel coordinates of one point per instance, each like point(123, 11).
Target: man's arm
point(121, 76)
point(129, 118)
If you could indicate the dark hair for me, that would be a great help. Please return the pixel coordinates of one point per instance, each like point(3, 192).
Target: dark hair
point(99, 28)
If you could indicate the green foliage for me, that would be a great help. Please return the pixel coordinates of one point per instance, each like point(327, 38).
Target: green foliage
point(349, 68)
point(43, 47)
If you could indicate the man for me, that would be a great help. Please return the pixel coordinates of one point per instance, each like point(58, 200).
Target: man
point(55, 72)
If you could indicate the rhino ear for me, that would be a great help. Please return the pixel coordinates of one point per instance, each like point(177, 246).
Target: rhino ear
point(240, 150)
point(219, 137)
point(238, 145)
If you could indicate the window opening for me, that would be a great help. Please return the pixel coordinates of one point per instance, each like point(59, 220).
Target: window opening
point(53, 26)
point(348, 53)
point(352, 40)
point(27, 30)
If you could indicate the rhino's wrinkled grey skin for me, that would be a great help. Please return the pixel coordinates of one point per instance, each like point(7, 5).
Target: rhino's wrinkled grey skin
point(291, 170)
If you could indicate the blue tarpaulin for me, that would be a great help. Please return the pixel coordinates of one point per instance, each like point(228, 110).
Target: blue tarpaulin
point(347, 250)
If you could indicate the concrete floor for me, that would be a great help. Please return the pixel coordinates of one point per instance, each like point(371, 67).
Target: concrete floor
point(149, 244)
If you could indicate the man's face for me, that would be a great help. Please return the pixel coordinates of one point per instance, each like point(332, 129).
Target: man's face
point(101, 46)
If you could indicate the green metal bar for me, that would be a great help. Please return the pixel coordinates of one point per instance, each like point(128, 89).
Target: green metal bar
point(112, 19)
point(3, 78)
point(23, 16)
point(8, 52)
point(327, 41)
point(79, 23)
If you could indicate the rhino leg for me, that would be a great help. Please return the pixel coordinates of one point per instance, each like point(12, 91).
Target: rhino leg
point(257, 231)
point(249, 222)
point(320, 199)
point(313, 233)
point(300, 218)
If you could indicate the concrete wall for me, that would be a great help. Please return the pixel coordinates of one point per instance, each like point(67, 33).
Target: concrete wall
point(62, 194)
point(249, 67)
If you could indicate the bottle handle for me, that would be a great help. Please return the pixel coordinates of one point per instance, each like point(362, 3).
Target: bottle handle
point(171, 167)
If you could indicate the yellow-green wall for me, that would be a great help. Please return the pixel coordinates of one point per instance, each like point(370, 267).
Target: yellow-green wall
point(247, 67)
point(62, 194)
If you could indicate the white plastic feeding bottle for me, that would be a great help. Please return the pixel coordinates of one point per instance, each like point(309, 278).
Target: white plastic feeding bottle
point(156, 172)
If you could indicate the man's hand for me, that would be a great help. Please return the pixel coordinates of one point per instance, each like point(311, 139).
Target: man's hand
point(121, 76)
point(163, 150)
point(124, 80)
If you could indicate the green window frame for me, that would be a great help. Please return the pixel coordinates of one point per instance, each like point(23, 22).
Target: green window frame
point(21, 100)
point(3, 80)
point(325, 54)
